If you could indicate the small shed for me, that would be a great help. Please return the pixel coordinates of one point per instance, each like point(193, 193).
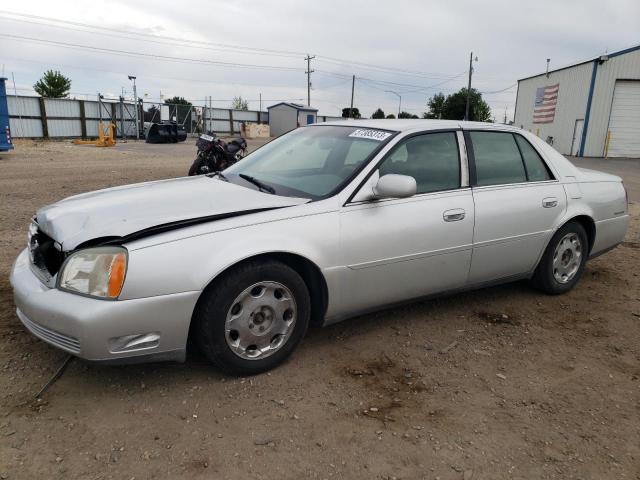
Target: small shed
point(285, 116)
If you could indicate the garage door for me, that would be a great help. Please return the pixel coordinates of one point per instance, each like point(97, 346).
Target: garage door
point(624, 123)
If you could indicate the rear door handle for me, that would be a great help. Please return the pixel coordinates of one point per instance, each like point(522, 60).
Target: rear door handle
point(453, 215)
point(550, 202)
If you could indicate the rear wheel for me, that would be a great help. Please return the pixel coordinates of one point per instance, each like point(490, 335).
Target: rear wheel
point(563, 261)
point(253, 317)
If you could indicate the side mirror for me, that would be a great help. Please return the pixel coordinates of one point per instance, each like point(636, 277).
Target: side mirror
point(395, 186)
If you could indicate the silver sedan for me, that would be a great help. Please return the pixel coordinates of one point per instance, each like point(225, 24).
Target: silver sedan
point(324, 223)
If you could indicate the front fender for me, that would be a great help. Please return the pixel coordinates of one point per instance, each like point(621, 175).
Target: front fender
point(190, 264)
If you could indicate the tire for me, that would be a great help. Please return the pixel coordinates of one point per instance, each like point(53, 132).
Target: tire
point(232, 316)
point(563, 261)
point(195, 168)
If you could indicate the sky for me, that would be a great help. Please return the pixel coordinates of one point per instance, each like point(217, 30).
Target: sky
point(405, 50)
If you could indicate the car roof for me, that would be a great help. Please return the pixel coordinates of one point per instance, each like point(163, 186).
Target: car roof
point(410, 125)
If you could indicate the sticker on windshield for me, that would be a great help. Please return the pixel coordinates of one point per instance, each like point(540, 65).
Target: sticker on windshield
point(377, 135)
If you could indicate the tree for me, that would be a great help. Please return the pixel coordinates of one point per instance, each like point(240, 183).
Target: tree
point(53, 85)
point(239, 103)
point(454, 106)
point(436, 106)
point(407, 115)
point(391, 115)
point(378, 114)
point(355, 113)
point(180, 108)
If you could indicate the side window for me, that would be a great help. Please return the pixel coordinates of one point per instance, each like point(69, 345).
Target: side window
point(497, 158)
point(432, 159)
point(536, 169)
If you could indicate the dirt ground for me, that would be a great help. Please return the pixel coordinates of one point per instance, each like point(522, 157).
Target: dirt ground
point(499, 383)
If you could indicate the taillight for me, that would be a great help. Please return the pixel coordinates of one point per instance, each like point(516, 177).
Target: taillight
point(8, 132)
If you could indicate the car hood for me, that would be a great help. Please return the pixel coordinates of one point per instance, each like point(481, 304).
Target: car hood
point(124, 211)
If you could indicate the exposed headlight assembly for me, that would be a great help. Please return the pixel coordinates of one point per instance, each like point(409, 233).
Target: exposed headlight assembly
point(96, 272)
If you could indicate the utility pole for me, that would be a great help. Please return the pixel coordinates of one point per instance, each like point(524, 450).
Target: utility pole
point(260, 110)
point(399, 100)
point(308, 58)
point(122, 132)
point(353, 85)
point(466, 108)
point(135, 100)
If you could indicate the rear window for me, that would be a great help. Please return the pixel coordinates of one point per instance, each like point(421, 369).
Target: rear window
point(497, 158)
point(536, 169)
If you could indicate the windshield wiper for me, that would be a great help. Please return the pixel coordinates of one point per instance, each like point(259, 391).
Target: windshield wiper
point(221, 176)
point(261, 185)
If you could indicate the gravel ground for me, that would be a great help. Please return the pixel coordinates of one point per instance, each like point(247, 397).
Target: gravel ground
point(499, 383)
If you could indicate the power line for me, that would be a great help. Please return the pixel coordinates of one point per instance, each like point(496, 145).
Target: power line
point(379, 68)
point(148, 55)
point(207, 44)
point(332, 85)
point(102, 70)
point(500, 91)
point(203, 61)
point(170, 42)
point(149, 35)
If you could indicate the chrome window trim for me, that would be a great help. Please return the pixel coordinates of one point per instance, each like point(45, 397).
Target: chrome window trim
point(517, 184)
point(464, 160)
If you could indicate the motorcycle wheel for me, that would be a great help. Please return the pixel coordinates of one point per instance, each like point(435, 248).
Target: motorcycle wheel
point(196, 167)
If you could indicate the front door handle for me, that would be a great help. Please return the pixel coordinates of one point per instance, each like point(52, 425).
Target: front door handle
point(550, 202)
point(453, 215)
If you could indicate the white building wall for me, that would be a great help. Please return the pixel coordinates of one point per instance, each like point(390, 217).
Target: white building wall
point(621, 67)
point(282, 119)
point(302, 117)
point(572, 101)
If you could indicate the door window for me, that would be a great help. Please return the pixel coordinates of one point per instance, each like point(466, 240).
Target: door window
point(536, 169)
point(497, 158)
point(432, 159)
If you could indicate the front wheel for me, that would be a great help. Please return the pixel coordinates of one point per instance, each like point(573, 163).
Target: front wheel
point(199, 166)
point(563, 261)
point(253, 317)
point(194, 169)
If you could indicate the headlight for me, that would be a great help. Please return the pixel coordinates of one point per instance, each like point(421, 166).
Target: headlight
point(97, 272)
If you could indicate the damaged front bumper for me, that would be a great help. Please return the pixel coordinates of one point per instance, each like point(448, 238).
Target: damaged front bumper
point(121, 331)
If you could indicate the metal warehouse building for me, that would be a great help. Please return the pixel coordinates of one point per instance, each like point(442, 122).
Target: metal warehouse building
point(589, 109)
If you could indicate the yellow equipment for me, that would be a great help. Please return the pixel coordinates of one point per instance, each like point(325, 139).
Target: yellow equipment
point(103, 140)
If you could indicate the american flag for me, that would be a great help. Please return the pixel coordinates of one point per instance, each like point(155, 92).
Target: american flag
point(544, 110)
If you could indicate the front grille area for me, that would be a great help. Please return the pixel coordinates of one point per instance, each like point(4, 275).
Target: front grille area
point(44, 255)
point(58, 339)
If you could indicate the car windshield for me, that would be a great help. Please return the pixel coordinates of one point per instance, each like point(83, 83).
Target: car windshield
point(309, 162)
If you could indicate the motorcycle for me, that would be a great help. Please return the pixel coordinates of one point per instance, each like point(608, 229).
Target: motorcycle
point(214, 154)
